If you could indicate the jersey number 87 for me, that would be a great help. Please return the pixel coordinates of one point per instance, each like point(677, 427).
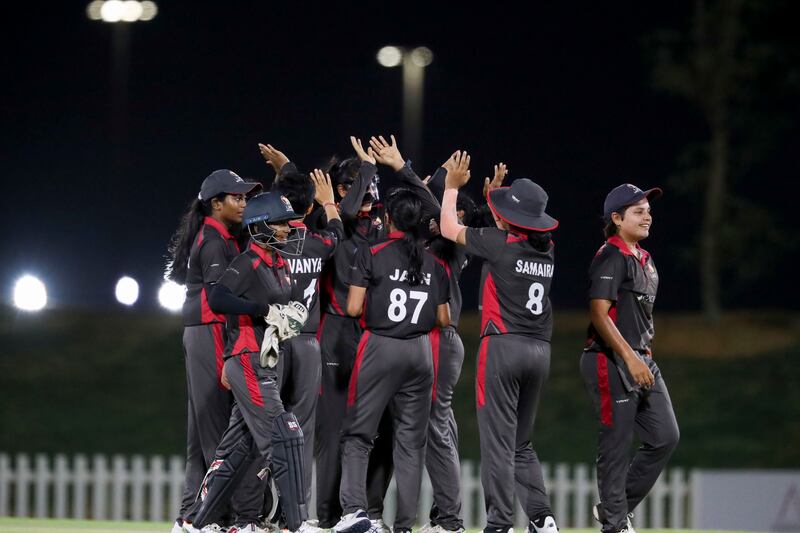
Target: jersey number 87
point(397, 304)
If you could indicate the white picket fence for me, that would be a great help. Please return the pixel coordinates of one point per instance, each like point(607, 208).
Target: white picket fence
point(139, 488)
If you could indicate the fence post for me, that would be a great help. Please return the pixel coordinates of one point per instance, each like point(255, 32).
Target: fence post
point(119, 480)
point(156, 488)
point(657, 502)
point(467, 497)
point(177, 469)
point(138, 479)
point(41, 483)
point(677, 495)
point(562, 489)
point(581, 509)
point(22, 479)
point(99, 486)
point(81, 474)
point(5, 475)
point(60, 481)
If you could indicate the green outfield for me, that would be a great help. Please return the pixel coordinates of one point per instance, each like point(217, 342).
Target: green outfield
point(25, 525)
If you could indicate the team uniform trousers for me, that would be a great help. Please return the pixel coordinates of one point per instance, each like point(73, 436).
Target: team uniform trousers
point(209, 403)
point(441, 454)
point(339, 338)
point(398, 374)
point(621, 413)
point(511, 371)
point(299, 368)
point(250, 428)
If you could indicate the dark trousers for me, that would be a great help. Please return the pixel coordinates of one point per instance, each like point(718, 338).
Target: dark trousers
point(339, 338)
point(209, 404)
point(395, 374)
point(511, 372)
point(441, 454)
point(622, 483)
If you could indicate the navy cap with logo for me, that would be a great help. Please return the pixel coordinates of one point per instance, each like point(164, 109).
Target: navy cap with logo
point(624, 195)
point(225, 181)
point(522, 205)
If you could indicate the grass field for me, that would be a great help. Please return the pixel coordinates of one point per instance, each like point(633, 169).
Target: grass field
point(24, 525)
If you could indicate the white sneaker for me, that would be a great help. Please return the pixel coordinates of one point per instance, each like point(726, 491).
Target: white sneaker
point(189, 528)
point(441, 529)
point(247, 528)
point(427, 528)
point(548, 526)
point(177, 527)
point(214, 528)
point(309, 526)
point(599, 515)
point(379, 526)
point(357, 522)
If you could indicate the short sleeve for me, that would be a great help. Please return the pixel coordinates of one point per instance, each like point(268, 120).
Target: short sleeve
point(238, 275)
point(485, 242)
point(362, 273)
point(213, 260)
point(330, 237)
point(606, 274)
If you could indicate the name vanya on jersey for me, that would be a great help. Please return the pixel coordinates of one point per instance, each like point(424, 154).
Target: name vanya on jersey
point(534, 269)
point(398, 276)
point(305, 265)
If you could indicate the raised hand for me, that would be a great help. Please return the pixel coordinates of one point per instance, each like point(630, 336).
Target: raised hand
point(322, 184)
point(274, 157)
point(367, 155)
point(387, 154)
point(457, 170)
point(500, 171)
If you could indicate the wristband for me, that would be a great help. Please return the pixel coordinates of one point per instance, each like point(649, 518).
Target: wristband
point(326, 204)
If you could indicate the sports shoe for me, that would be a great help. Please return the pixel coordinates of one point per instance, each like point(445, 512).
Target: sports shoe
point(441, 529)
point(309, 526)
point(187, 527)
point(214, 528)
point(498, 530)
point(252, 527)
point(543, 524)
point(356, 522)
point(379, 526)
point(427, 528)
point(600, 515)
point(177, 527)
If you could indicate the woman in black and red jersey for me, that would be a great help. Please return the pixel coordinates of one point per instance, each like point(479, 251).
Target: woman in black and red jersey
point(622, 378)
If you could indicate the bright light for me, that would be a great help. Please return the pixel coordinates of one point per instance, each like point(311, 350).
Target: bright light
point(421, 56)
point(112, 11)
point(390, 56)
point(171, 296)
point(30, 294)
point(93, 10)
point(149, 10)
point(132, 10)
point(127, 291)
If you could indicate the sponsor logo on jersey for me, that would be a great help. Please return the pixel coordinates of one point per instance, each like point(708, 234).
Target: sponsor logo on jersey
point(534, 268)
point(305, 265)
point(402, 276)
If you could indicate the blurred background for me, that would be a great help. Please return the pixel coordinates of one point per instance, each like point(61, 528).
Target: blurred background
point(109, 129)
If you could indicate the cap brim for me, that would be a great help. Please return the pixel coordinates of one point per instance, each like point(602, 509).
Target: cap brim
point(501, 205)
point(652, 194)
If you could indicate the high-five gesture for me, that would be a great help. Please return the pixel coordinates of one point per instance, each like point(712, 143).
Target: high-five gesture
point(274, 157)
point(500, 171)
point(367, 155)
point(387, 154)
point(323, 187)
point(457, 170)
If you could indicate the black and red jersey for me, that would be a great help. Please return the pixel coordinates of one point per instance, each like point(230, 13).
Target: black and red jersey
point(212, 250)
point(306, 269)
point(254, 275)
point(516, 290)
point(393, 308)
point(455, 263)
point(630, 283)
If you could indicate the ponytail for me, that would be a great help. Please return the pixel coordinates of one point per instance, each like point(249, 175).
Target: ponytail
point(181, 242)
point(540, 241)
point(405, 212)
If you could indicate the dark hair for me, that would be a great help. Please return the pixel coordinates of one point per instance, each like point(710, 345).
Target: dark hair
point(539, 240)
point(181, 242)
point(465, 203)
point(405, 213)
point(342, 172)
point(298, 188)
point(610, 229)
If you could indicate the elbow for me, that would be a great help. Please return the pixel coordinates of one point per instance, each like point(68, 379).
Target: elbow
point(353, 311)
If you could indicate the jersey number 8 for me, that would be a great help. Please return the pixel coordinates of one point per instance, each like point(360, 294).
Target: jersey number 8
point(397, 304)
point(535, 297)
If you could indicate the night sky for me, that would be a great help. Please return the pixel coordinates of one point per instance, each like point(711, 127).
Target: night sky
point(561, 92)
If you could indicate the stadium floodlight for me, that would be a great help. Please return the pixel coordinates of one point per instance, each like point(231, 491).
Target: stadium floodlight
point(127, 290)
point(30, 294)
point(390, 56)
point(421, 56)
point(171, 296)
point(121, 10)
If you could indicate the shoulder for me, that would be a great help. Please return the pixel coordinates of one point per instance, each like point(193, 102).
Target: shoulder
point(608, 254)
point(381, 245)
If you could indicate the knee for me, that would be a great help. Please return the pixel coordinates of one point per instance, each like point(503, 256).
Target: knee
point(524, 453)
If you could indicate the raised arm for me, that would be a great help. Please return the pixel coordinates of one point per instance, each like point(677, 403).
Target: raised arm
point(351, 203)
point(276, 159)
point(457, 176)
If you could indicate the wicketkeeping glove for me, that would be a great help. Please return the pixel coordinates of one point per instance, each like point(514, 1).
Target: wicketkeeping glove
point(283, 322)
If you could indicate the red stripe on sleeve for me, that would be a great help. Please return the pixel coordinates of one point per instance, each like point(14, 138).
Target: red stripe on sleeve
point(219, 349)
point(352, 389)
point(606, 412)
point(480, 382)
point(251, 380)
point(435, 337)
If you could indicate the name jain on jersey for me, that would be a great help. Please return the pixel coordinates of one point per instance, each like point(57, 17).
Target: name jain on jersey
point(305, 265)
point(402, 276)
point(534, 269)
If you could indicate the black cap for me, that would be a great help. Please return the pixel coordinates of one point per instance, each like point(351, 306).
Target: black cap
point(522, 205)
point(624, 195)
point(224, 181)
point(270, 207)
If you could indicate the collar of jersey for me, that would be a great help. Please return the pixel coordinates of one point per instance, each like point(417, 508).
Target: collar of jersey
point(219, 226)
point(264, 256)
point(396, 235)
point(617, 241)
